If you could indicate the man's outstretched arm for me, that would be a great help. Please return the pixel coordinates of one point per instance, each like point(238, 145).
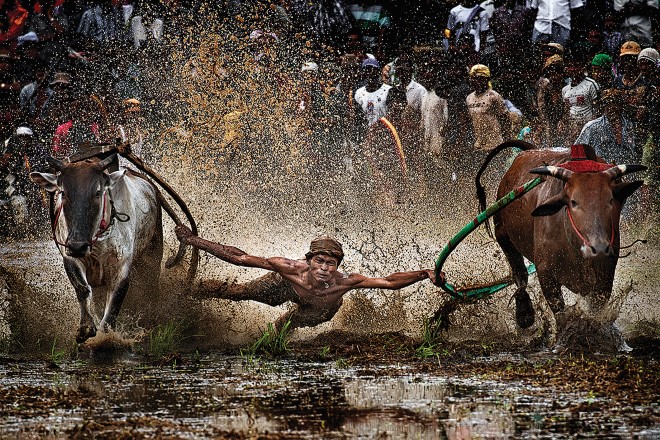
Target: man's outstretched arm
point(230, 254)
point(394, 281)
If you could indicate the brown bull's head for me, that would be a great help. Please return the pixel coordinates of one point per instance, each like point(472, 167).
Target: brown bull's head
point(593, 202)
point(81, 187)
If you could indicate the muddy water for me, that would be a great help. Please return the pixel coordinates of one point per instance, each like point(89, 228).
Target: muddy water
point(216, 396)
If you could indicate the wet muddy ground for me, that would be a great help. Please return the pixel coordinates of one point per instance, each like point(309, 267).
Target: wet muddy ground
point(334, 387)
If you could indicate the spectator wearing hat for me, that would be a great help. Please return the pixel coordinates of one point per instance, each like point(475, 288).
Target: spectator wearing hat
point(637, 21)
point(579, 95)
point(550, 130)
point(601, 71)
point(553, 20)
point(372, 97)
point(490, 117)
point(629, 79)
point(629, 76)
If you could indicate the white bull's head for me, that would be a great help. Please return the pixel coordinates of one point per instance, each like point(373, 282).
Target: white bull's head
point(80, 199)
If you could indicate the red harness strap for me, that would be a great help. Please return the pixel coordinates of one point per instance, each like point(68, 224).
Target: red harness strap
point(584, 240)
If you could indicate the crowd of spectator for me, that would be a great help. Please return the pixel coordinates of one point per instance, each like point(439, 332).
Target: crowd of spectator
point(406, 85)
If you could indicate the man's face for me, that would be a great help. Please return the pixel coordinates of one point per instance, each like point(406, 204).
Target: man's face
point(479, 83)
point(322, 267)
point(646, 67)
point(628, 62)
point(575, 69)
point(372, 76)
point(405, 74)
point(601, 74)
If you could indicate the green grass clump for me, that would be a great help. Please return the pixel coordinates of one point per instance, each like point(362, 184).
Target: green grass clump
point(271, 343)
point(164, 339)
point(430, 347)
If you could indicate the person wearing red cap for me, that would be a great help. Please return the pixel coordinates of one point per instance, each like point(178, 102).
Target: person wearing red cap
point(314, 285)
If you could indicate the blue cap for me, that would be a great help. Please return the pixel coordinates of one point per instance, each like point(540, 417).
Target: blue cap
point(370, 62)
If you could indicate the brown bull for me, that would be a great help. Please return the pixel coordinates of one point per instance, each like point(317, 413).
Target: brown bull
point(568, 226)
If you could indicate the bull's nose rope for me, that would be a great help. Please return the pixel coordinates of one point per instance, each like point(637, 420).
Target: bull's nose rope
point(481, 291)
point(584, 240)
point(103, 225)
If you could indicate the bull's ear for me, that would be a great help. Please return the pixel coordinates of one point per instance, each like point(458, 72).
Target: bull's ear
point(46, 180)
point(550, 206)
point(115, 177)
point(622, 191)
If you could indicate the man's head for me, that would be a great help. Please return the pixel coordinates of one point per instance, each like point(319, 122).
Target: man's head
point(628, 56)
point(601, 68)
point(480, 78)
point(550, 49)
point(648, 60)
point(324, 245)
point(324, 256)
point(371, 74)
point(553, 69)
point(396, 103)
point(575, 68)
point(404, 71)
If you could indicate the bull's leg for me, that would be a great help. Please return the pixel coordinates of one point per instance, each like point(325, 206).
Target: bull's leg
point(524, 307)
point(552, 292)
point(77, 277)
point(553, 297)
point(113, 305)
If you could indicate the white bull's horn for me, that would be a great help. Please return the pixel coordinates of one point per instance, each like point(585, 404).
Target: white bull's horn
point(57, 164)
point(558, 172)
point(621, 170)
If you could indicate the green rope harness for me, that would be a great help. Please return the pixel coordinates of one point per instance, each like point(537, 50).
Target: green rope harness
point(482, 291)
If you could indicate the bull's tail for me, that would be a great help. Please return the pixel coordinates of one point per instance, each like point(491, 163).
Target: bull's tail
point(481, 192)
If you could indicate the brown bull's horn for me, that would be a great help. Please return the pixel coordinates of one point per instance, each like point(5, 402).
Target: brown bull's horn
point(621, 170)
point(55, 163)
point(105, 163)
point(558, 172)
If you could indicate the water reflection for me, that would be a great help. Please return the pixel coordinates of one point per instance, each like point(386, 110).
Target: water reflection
point(220, 395)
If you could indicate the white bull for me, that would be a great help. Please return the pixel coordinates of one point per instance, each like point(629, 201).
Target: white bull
point(105, 225)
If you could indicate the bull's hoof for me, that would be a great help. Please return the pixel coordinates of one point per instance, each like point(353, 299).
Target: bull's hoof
point(524, 309)
point(84, 333)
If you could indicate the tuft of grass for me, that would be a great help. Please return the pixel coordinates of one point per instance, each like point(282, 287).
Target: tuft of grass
point(342, 363)
point(325, 352)
point(164, 339)
point(430, 347)
point(57, 354)
point(271, 343)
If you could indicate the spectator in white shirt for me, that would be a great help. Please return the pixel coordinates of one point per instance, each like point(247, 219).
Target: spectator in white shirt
point(553, 20)
point(372, 97)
